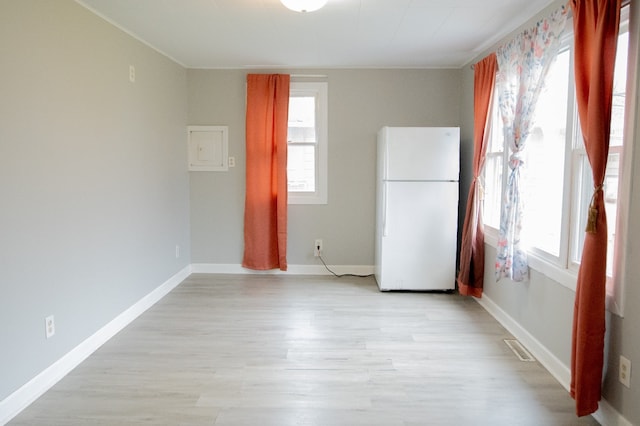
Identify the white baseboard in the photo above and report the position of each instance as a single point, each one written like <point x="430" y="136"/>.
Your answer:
<point x="606" y="414"/>
<point x="12" y="405"/>
<point x="218" y="268"/>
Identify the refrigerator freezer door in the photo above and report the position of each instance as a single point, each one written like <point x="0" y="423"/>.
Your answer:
<point x="421" y="153"/>
<point x="418" y="251"/>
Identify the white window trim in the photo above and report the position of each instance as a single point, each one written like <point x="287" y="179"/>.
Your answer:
<point x="615" y="296"/>
<point x="320" y="91"/>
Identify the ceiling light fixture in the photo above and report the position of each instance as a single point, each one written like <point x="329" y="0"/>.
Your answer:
<point x="304" y="5"/>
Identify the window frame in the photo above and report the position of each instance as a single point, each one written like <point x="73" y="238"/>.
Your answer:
<point x="490" y="230"/>
<point x="319" y="90"/>
<point x="571" y="124"/>
<point x="616" y="287"/>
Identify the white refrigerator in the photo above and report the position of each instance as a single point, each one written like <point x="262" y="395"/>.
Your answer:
<point x="417" y="208"/>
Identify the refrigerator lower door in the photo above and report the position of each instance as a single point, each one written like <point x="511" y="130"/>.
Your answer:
<point x="418" y="248"/>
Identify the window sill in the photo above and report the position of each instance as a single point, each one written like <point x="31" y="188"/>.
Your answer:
<point x="564" y="277"/>
<point x="306" y="199"/>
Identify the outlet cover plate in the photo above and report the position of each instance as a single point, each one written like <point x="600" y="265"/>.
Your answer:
<point x="49" y="326"/>
<point x="625" y="371"/>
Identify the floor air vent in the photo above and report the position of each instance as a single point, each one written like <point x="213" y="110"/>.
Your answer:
<point x="519" y="350"/>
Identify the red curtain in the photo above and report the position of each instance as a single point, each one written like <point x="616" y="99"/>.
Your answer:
<point x="596" y="25"/>
<point x="471" y="275"/>
<point x="265" y="212"/>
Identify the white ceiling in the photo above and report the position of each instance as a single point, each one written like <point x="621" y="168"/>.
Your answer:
<point x="344" y="34"/>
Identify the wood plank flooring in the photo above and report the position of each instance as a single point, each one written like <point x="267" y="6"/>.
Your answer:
<point x="278" y="350"/>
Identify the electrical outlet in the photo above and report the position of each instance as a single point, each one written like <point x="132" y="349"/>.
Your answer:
<point x="625" y="371"/>
<point x="132" y="73"/>
<point x="317" y="248"/>
<point x="49" y="326"/>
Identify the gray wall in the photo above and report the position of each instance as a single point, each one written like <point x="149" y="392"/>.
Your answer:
<point x="544" y="308"/>
<point x="360" y="102"/>
<point x="93" y="183"/>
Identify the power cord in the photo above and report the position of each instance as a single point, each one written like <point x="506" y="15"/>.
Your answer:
<point x="341" y="275"/>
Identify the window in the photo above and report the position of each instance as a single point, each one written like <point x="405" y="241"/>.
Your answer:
<point x="612" y="187"/>
<point x="545" y="163"/>
<point x="307" y="143"/>
<point x="556" y="176"/>
<point x="494" y="165"/>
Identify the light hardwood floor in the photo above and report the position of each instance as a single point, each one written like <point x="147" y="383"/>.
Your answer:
<point x="282" y="350"/>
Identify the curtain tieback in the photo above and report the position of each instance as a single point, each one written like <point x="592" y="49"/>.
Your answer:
<point x="516" y="160"/>
<point x="479" y="187"/>
<point x="593" y="211"/>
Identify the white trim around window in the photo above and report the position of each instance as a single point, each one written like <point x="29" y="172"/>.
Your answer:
<point x="318" y="90"/>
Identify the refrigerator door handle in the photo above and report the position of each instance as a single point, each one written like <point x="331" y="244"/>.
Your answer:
<point x="384" y="208"/>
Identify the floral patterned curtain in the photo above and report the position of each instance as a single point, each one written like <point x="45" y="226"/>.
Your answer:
<point x="522" y="66"/>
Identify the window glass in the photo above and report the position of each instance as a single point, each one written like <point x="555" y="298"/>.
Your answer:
<point x="301" y="155"/>
<point x="493" y="169"/>
<point x="543" y="172"/>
